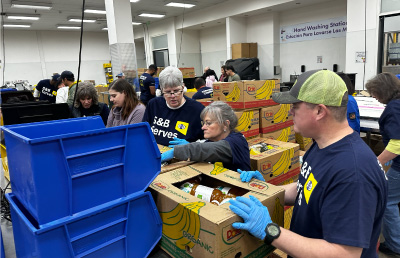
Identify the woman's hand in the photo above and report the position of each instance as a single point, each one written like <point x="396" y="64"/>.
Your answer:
<point x="177" y="141"/>
<point x="246" y="176"/>
<point x="167" y="156"/>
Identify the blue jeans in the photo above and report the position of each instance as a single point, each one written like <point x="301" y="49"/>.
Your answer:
<point x="391" y="218"/>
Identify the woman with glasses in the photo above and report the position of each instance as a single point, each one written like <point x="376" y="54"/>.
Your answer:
<point x="87" y="103"/>
<point x="223" y="143"/>
<point x="127" y="108"/>
<point x="173" y="115"/>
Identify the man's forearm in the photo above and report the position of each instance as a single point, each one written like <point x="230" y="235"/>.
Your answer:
<point x="299" y="246"/>
<point x="290" y="193"/>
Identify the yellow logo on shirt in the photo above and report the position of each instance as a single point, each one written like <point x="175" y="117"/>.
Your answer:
<point x="182" y="127"/>
<point x="54" y="93"/>
<point x="309" y="187"/>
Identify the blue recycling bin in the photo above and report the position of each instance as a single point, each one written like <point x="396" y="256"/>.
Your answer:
<point x="126" y="227"/>
<point x="63" y="167"/>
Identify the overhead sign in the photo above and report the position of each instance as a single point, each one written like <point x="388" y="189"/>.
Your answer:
<point x="332" y="28"/>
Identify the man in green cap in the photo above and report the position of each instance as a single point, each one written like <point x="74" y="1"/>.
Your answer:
<point x="340" y="197"/>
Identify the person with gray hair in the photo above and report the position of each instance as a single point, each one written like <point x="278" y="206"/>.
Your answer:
<point x="223" y="143"/>
<point x="87" y="103"/>
<point x="173" y="115"/>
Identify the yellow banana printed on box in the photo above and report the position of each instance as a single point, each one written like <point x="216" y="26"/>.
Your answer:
<point x="244" y="123"/>
<point x="283" y="164"/>
<point x="282" y="114"/>
<point x="284" y="136"/>
<point x="234" y="94"/>
<point x="181" y="221"/>
<point x="265" y="91"/>
<point x="277" y="215"/>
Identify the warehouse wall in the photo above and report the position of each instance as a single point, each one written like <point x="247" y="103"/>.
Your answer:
<point x="260" y="29"/>
<point x="188" y="53"/>
<point x="213" y="47"/>
<point x="333" y="50"/>
<point x="140" y="54"/>
<point x="36" y="55"/>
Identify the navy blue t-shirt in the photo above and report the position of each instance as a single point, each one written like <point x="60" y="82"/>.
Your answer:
<point x="166" y="123"/>
<point x="47" y="91"/>
<point x="341" y="195"/>
<point x="145" y="81"/>
<point x="353" y="114"/>
<point x="389" y="126"/>
<point x="203" y="93"/>
<point x="240" y="152"/>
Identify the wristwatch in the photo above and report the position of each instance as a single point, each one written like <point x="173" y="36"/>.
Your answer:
<point x="272" y="232"/>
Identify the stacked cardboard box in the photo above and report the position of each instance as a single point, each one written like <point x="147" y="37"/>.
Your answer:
<point x="278" y="165"/>
<point x="246" y="94"/>
<point x="304" y="142"/>
<point x="188" y="72"/>
<point x="193" y="227"/>
<point x="284" y="135"/>
<point x="244" y="50"/>
<point x="248" y="123"/>
<point x="273" y="118"/>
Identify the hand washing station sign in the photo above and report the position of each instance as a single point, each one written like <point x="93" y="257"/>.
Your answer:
<point x="332" y="28"/>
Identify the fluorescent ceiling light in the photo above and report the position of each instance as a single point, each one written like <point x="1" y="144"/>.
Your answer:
<point x="134" y="1"/>
<point x="31" y="6"/>
<point x="136" y="23"/>
<point x="17" y="25"/>
<point x="80" y="20"/>
<point x="174" y="4"/>
<point x="152" y="15"/>
<point x="104" y="29"/>
<point x="22" y="17"/>
<point x="95" y="11"/>
<point x="68" y="27"/>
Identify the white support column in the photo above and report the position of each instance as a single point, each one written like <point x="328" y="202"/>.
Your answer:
<point x="120" y="36"/>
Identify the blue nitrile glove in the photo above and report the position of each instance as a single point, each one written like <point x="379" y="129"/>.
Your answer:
<point x="255" y="215"/>
<point x="246" y="176"/>
<point x="167" y="156"/>
<point x="177" y="141"/>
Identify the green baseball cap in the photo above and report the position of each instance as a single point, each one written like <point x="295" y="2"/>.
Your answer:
<point x="316" y="87"/>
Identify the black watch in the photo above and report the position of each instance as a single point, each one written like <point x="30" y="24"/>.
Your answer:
<point x="272" y="232"/>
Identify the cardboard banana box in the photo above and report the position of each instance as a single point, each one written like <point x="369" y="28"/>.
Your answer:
<point x="304" y="142"/>
<point x="174" y="164"/>
<point x="248" y="122"/>
<point x="284" y="135"/>
<point x="246" y="94"/>
<point x="187" y="72"/>
<point x="274" y="118"/>
<point x="196" y="228"/>
<point x="277" y="164"/>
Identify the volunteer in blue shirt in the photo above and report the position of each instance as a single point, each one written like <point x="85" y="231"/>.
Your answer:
<point x="341" y="194"/>
<point x="173" y="115"/>
<point x="223" y="143"/>
<point x="385" y="87"/>
<point x="203" y="91"/>
<point x="47" y="89"/>
<point x="353" y="114"/>
<point x="147" y="84"/>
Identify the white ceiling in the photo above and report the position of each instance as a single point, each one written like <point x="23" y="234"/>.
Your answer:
<point x="62" y="9"/>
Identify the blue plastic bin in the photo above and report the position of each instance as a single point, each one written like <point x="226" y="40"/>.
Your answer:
<point x="127" y="227"/>
<point x="59" y="168"/>
<point x="2" y="255"/>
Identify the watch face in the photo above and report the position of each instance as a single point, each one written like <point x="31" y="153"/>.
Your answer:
<point x="273" y="230"/>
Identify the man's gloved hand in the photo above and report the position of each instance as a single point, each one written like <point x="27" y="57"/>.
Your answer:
<point x="167" y="156"/>
<point x="246" y="176"/>
<point x="177" y="141"/>
<point x="255" y="215"/>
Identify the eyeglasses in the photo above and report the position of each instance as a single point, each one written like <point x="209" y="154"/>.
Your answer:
<point x="175" y="93"/>
<point x="207" y="123"/>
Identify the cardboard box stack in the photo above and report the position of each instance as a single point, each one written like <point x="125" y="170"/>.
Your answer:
<point x="279" y="164"/>
<point x="246" y="94"/>
<point x="304" y="142"/>
<point x="248" y="123"/>
<point x="284" y="135"/>
<point x="188" y="72"/>
<point x="102" y="94"/>
<point x="194" y="227"/>
<point x="244" y="50"/>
